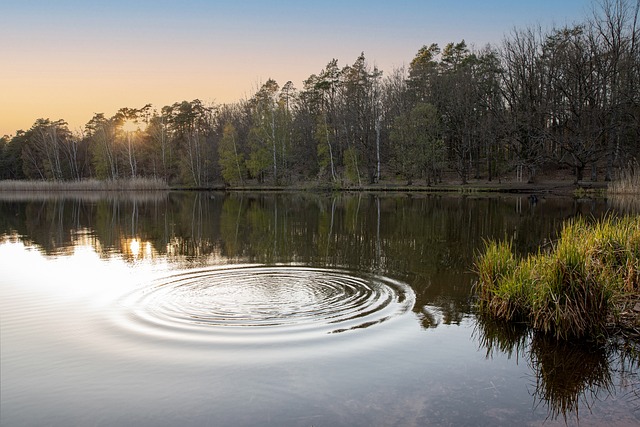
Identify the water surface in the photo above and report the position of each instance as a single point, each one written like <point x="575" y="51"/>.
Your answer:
<point x="282" y="309"/>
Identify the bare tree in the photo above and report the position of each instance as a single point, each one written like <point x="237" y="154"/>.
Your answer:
<point x="525" y="86"/>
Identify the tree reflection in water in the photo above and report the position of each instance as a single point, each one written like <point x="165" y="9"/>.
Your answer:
<point x="567" y="376"/>
<point x="426" y="241"/>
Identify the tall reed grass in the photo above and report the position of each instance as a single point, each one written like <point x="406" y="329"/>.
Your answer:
<point x="571" y="290"/>
<point x="628" y="182"/>
<point x="623" y="193"/>
<point x="128" y="184"/>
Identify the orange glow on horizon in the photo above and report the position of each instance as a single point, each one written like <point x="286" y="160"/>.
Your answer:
<point x="27" y="98"/>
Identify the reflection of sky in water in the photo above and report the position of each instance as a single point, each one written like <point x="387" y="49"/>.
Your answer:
<point x="79" y="273"/>
<point x="76" y="349"/>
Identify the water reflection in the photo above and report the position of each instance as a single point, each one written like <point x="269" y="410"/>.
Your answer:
<point x="357" y="260"/>
<point x="628" y="203"/>
<point x="428" y="241"/>
<point x="496" y="337"/>
<point x="257" y="304"/>
<point x="566" y="376"/>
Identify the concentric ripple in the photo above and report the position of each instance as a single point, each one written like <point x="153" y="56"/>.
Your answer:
<point x="238" y="303"/>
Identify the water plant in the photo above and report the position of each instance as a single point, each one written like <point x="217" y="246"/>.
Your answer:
<point x="571" y="290"/>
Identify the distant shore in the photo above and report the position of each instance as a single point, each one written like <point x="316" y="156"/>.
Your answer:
<point x="559" y="187"/>
<point x="555" y="186"/>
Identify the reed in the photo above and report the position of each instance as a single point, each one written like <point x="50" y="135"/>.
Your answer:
<point x="128" y="184"/>
<point x="82" y="195"/>
<point x="570" y="291"/>
<point x="623" y="192"/>
<point x="628" y="181"/>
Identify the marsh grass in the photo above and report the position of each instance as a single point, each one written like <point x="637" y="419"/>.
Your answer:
<point x="83" y="195"/>
<point x="628" y="182"/>
<point x="571" y="290"/>
<point x="496" y="264"/>
<point x="624" y="193"/>
<point x="129" y="184"/>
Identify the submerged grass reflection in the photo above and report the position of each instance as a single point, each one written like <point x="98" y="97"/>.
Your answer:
<point x="496" y="336"/>
<point x="567" y="376"/>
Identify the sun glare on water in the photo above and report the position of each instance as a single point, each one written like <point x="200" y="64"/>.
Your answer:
<point x="83" y="274"/>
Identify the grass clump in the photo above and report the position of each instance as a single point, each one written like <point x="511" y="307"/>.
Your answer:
<point x="504" y="282"/>
<point x="569" y="300"/>
<point x="497" y="263"/>
<point x="570" y="291"/>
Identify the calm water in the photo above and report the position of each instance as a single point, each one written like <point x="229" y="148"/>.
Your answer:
<point x="281" y="310"/>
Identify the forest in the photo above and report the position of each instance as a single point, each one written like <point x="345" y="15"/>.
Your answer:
<point x="560" y="100"/>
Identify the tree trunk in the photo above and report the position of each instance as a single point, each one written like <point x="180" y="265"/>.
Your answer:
<point x="235" y="152"/>
<point x="579" y="173"/>
<point x="333" y="170"/>
<point x="378" y="150"/>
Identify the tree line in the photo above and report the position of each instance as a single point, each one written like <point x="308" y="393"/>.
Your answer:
<point x="564" y="98"/>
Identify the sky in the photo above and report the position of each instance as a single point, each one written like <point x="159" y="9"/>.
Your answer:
<point x="70" y="59"/>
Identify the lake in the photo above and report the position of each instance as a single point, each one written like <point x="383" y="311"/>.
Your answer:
<point x="283" y="309"/>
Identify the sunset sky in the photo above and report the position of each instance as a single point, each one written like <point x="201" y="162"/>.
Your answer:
<point x="69" y="59"/>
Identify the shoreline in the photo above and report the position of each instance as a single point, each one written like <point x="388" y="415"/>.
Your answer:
<point x="554" y="187"/>
<point x="549" y="187"/>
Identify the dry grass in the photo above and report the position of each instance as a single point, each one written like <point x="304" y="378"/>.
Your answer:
<point x="83" y="195"/>
<point x="628" y="181"/>
<point x="624" y="192"/>
<point x="133" y="184"/>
